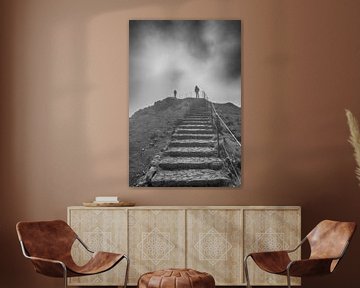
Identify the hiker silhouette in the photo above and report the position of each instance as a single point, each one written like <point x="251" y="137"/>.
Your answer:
<point x="197" y="91"/>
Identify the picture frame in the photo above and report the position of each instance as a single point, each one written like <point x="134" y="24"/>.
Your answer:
<point x="185" y="103"/>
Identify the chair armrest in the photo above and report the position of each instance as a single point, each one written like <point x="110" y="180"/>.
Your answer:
<point x="270" y="252"/>
<point x="48" y="267"/>
<point x="271" y="261"/>
<point x="45" y="260"/>
<point x="281" y="251"/>
<point x="309" y="267"/>
<point x="298" y="246"/>
<point x="83" y="244"/>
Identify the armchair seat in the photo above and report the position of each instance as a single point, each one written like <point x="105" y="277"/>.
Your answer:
<point x="273" y="262"/>
<point x="99" y="262"/>
<point x="48" y="245"/>
<point x="328" y="242"/>
<point x="277" y="262"/>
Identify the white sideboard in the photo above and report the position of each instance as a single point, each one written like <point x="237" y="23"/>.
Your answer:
<point x="212" y="239"/>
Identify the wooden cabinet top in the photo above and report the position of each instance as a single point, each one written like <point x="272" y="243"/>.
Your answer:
<point x="193" y="207"/>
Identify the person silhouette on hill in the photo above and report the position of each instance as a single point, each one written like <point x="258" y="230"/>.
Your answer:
<point x="175" y="92"/>
<point x="197" y="91"/>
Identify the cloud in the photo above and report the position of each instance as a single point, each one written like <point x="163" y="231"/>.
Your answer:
<point x="168" y="55"/>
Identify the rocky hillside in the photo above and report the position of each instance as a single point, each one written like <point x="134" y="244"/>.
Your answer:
<point x="151" y="130"/>
<point x="230" y="113"/>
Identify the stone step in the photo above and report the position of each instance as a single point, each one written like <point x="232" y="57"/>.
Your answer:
<point x="198" y="115"/>
<point x="173" y="163"/>
<point x="194" y="131"/>
<point x="188" y="117"/>
<point x="199" y="109"/>
<point x="196" y="122"/>
<point x="193" y="117"/>
<point x="195" y="126"/>
<point x="190" y="151"/>
<point x="192" y="143"/>
<point x="203" y="118"/>
<point x="190" y="178"/>
<point x="193" y="136"/>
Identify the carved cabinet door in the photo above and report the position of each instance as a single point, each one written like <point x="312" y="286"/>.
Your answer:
<point x="156" y="240"/>
<point x="101" y="230"/>
<point x="271" y="230"/>
<point x="214" y="244"/>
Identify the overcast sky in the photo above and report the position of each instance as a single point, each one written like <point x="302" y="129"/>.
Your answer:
<point x="168" y="55"/>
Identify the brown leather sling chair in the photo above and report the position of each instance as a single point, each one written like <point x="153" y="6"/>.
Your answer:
<point x="328" y="242"/>
<point x="48" y="245"/>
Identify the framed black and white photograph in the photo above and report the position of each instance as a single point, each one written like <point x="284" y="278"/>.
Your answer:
<point x="185" y="103"/>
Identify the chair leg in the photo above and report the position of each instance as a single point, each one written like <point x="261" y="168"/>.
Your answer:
<point x="288" y="278"/>
<point x="127" y="271"/>
<point x="65" y="276"/>
<point x="246" y="270"/>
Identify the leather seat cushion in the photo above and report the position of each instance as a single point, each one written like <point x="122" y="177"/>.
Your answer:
<point x="176" y="278"/>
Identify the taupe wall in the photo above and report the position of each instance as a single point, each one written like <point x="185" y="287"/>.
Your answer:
<point x="64" y="116"/>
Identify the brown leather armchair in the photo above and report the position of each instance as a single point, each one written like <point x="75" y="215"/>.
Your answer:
<point x="328" y="242"/>
<point x="48" y="245"/>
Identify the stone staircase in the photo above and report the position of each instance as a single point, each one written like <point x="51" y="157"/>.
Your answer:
<point x="191" y="156"/>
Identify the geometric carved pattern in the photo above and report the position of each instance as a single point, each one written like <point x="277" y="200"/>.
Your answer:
<point x="269" y="241"/>
<point x="213" y="246"/>
<point x="98" y="240"/>
<point x="156" y="246"/>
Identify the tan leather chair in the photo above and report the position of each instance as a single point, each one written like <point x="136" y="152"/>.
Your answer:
<point x="328" y="242"/>
<point x="48" y="245"/>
